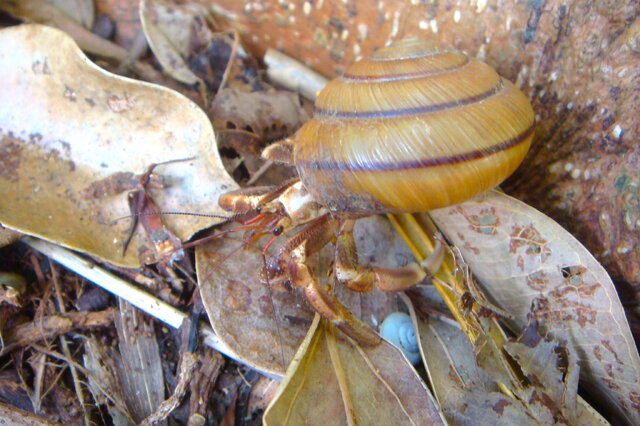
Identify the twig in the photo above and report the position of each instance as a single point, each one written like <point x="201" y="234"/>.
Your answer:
<point x="138" y="298"/>
<point x="293" y="75"/>
<point x="61" y="357"/>
<point x="232" y="57"/>
<point x="258" y="173"/>
<point x="186" y="368"/>
<point x="12" y="415"/>
<point x="52" y="326"/>
<point x="65" y="346"/>
<point x="188" y="363"/>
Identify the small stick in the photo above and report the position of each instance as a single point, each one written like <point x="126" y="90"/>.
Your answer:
<point x="65" y="346"/>
<point x="293" y="75"/>
<point x="137" y="297"/>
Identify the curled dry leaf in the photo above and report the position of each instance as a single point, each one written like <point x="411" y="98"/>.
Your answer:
<point x="264" y="325"/>
<point x="101" y="363"/>
<point x="246" y="122"/>
<point x="268" y="115"/>
<point x="52" y="12"/>
<point x="65" y="124"/>
<point x="332" y="377"/>
<point x="81" y="11"/>
<point x="533" y="268"/>
<point x="169" y="28"/>
<point x="469" y="394"/>
<point x="7" y="236"/>
<point x="185" y="40"/>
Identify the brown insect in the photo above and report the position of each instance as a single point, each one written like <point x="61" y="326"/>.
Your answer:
<point x="414" y="127"/>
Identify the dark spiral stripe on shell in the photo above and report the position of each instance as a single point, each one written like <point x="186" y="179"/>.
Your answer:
<point x="348" y="78"/>
<point x="425" y="162"/>
<point x="392" y="113"/>
<point x="427" y="53"/>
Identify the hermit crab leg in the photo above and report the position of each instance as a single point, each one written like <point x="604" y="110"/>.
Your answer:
<point x="295" y="253"/>
<point x="363" y="278"/>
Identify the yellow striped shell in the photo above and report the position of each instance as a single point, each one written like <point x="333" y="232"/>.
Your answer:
<point x="416" y="126"/>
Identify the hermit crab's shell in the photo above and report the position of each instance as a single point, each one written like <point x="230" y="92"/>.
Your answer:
<point x="416" y="126"/>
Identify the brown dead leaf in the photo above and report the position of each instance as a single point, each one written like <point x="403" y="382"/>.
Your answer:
<point x="263" y="325"/>
<point x="532" y="267"/>
<point x="65" y="123"/>
<point x="140" y="369"/>
<point x="260" y="324"/>
<point x="100" y="362"/>
<point x="7" y="236"/>
<point x="332" y="377"/>
<point x="269" y="115"/>
<point x="247" y="121"/>
<point x="469" y="394"/>
<point x="169" y="28"/>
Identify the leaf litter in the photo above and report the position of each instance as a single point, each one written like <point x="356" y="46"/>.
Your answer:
<point x="333" y="377"/>
<point x="66" y="124"/>
<point x="525" y="244"/>
<point x="266" y="325"/>
<point x="535" y="269"/>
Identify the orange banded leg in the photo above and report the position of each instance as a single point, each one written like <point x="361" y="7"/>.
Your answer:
<point x="363" y="278"/>
<point x="320" y="297"/>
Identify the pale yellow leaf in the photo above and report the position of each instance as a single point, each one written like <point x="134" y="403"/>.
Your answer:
<point x="333" y="379"/>
<point x="532" y="267"/>
<point x="66" y="123"/>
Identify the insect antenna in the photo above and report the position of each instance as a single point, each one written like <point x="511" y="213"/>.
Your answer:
<point x="138" y="214"/>
<point x="258" y="223"/>
<point x="273" y="309"/>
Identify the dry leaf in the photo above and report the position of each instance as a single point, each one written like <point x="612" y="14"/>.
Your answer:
<point x="469" y="394"/>
<point x="269" y="115"/>
<point x="140" y="368"/>
<point x="102" y="382"/>
<point x="262" y="325"/>
<point x="81" y="11"/>
<point x="333" y="379"/>
<point x="532" y="267"/>
<point x="168" y="28"/>
<point x="65" y="124"/>
<point x="7" y="236"/>
<point x="245" y="122"/>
